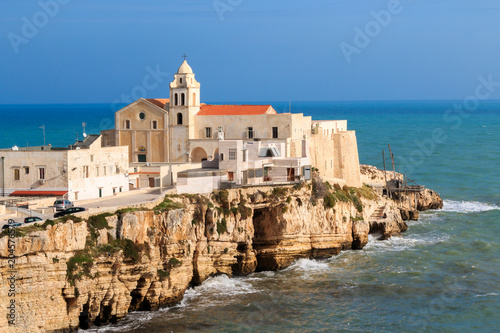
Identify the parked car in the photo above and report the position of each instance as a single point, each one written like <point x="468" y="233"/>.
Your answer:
<point x="32" y="219"/>
<point x="62" y="204"/>
<point x="12" y="225"/>
<point x="68" y="211"/>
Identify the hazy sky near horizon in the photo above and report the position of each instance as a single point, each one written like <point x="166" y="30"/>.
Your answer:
<point x="247" y="50"/>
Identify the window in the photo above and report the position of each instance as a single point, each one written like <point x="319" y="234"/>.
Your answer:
<point x="208" y="132"/>
<point x="176" y="99"/>
<point x="142" y="116"/>
<point x="27" y="170"/>
<point x="91" y="158"/>
<point x="179" y="118"/>
<point x="244" y="155"/>
<point x="41" y="173"/>
<point x="232" y="154"/>
<point x="180" y="80"/>
<point x="17" y="174"/>
<point x="127" y="124"/>
<point x="85" y="171"/>
<point x="194" y="98"/>
<point x="76" y="195"/>
<point x="141" y="158"/>
<point x="222" y="157"/>
<point x="250" y="132"/>
<point x="104" y="170"/>
<point x="114" y="190"/>
<point x="154" y="124"/>
<point x="275" y="132"/>
<point x="183" y="99"/>
<point x="97" y="171"/>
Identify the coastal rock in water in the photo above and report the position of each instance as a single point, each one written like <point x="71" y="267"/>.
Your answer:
<point x="429" y="199"/>
<point x="360" y="231"/>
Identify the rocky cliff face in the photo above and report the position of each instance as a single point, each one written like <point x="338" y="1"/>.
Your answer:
<point x="77" y="274"/>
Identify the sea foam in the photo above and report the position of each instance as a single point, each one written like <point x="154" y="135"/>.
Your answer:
<point x="467" y="206"/>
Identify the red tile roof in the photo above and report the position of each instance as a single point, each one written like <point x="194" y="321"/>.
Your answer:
<point x="160" y="102"/>
<point x="234" y="110"/>
<point x="38" y="193"/>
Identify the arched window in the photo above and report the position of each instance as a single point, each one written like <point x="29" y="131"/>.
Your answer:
<point x="183" y="99"/>
<point x="154" y="124"/>
<point x="179" y="118"/>
<point x="194" y="98"/>
<point x="176" y="99"/>
<point x="180" y="80"/>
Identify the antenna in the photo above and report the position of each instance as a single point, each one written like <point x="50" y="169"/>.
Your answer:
<point x="84" y="134"/>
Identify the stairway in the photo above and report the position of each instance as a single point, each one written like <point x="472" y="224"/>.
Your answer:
<point x="378" y="213"/>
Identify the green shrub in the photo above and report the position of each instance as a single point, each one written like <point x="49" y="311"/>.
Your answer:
<point x="226" y="250"/>
<point x="55" y="260"/>
<point x="47" y="223"/>
<point x="289" y="199"/>
<point x="166" y="205"/>
<point x="279" y="192"/>
<point x="163" y="274"/>
<point x="99" y="221"/>
<point x="298" y="186"/>
<point x="329" y="201"/>
<point x="244" y="211"/>
<point x="222" y="226"/>
<point x="73" y="218"/>
<point x="174" y="262"/>
<point x="80" y="261"/>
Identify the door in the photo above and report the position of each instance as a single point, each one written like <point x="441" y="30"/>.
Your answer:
<point x="290" y="172"/>
<point x="151" y="182"/>
<point x="230" y="176"/>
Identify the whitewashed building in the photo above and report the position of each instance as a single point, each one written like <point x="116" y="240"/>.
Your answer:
<point x="84" y="170"/>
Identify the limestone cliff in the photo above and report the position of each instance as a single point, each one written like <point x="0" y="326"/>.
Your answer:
<point x="81" y="273"/>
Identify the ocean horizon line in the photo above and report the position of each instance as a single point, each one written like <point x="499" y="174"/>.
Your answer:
<point x="262" y="102"/>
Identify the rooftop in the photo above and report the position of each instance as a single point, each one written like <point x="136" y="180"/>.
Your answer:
<point x="160" y="102"/>
<point x="235" y="110"/>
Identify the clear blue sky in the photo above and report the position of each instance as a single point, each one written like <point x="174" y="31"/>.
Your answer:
<point x="90" y="51"/>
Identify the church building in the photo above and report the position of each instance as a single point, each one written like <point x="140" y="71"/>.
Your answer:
<point x="181" y="129"/>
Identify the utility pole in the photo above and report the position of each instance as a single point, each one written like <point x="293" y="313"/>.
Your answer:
<point x="385" y="171"/>
<point x="392" y="159"/>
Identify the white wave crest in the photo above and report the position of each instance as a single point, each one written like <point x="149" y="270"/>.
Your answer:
<point x="309" y="265"/>
<point x="467" y="206"/>
<point x="222" y="285"/>
<point x="397" y="243"/>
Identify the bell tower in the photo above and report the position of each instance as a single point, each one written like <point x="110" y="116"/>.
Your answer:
<point x="184" y="105"/>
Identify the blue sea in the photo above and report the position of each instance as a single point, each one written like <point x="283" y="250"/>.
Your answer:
<point x="442" y="275"/>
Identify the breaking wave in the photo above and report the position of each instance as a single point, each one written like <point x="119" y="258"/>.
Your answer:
<point x="467" y="206"/>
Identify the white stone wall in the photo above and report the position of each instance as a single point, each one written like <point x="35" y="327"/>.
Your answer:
<point x="54" y="163"/>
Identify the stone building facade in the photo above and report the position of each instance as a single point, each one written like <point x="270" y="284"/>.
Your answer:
<point x="85" y="170"/>
<point x="181" y="129"/>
